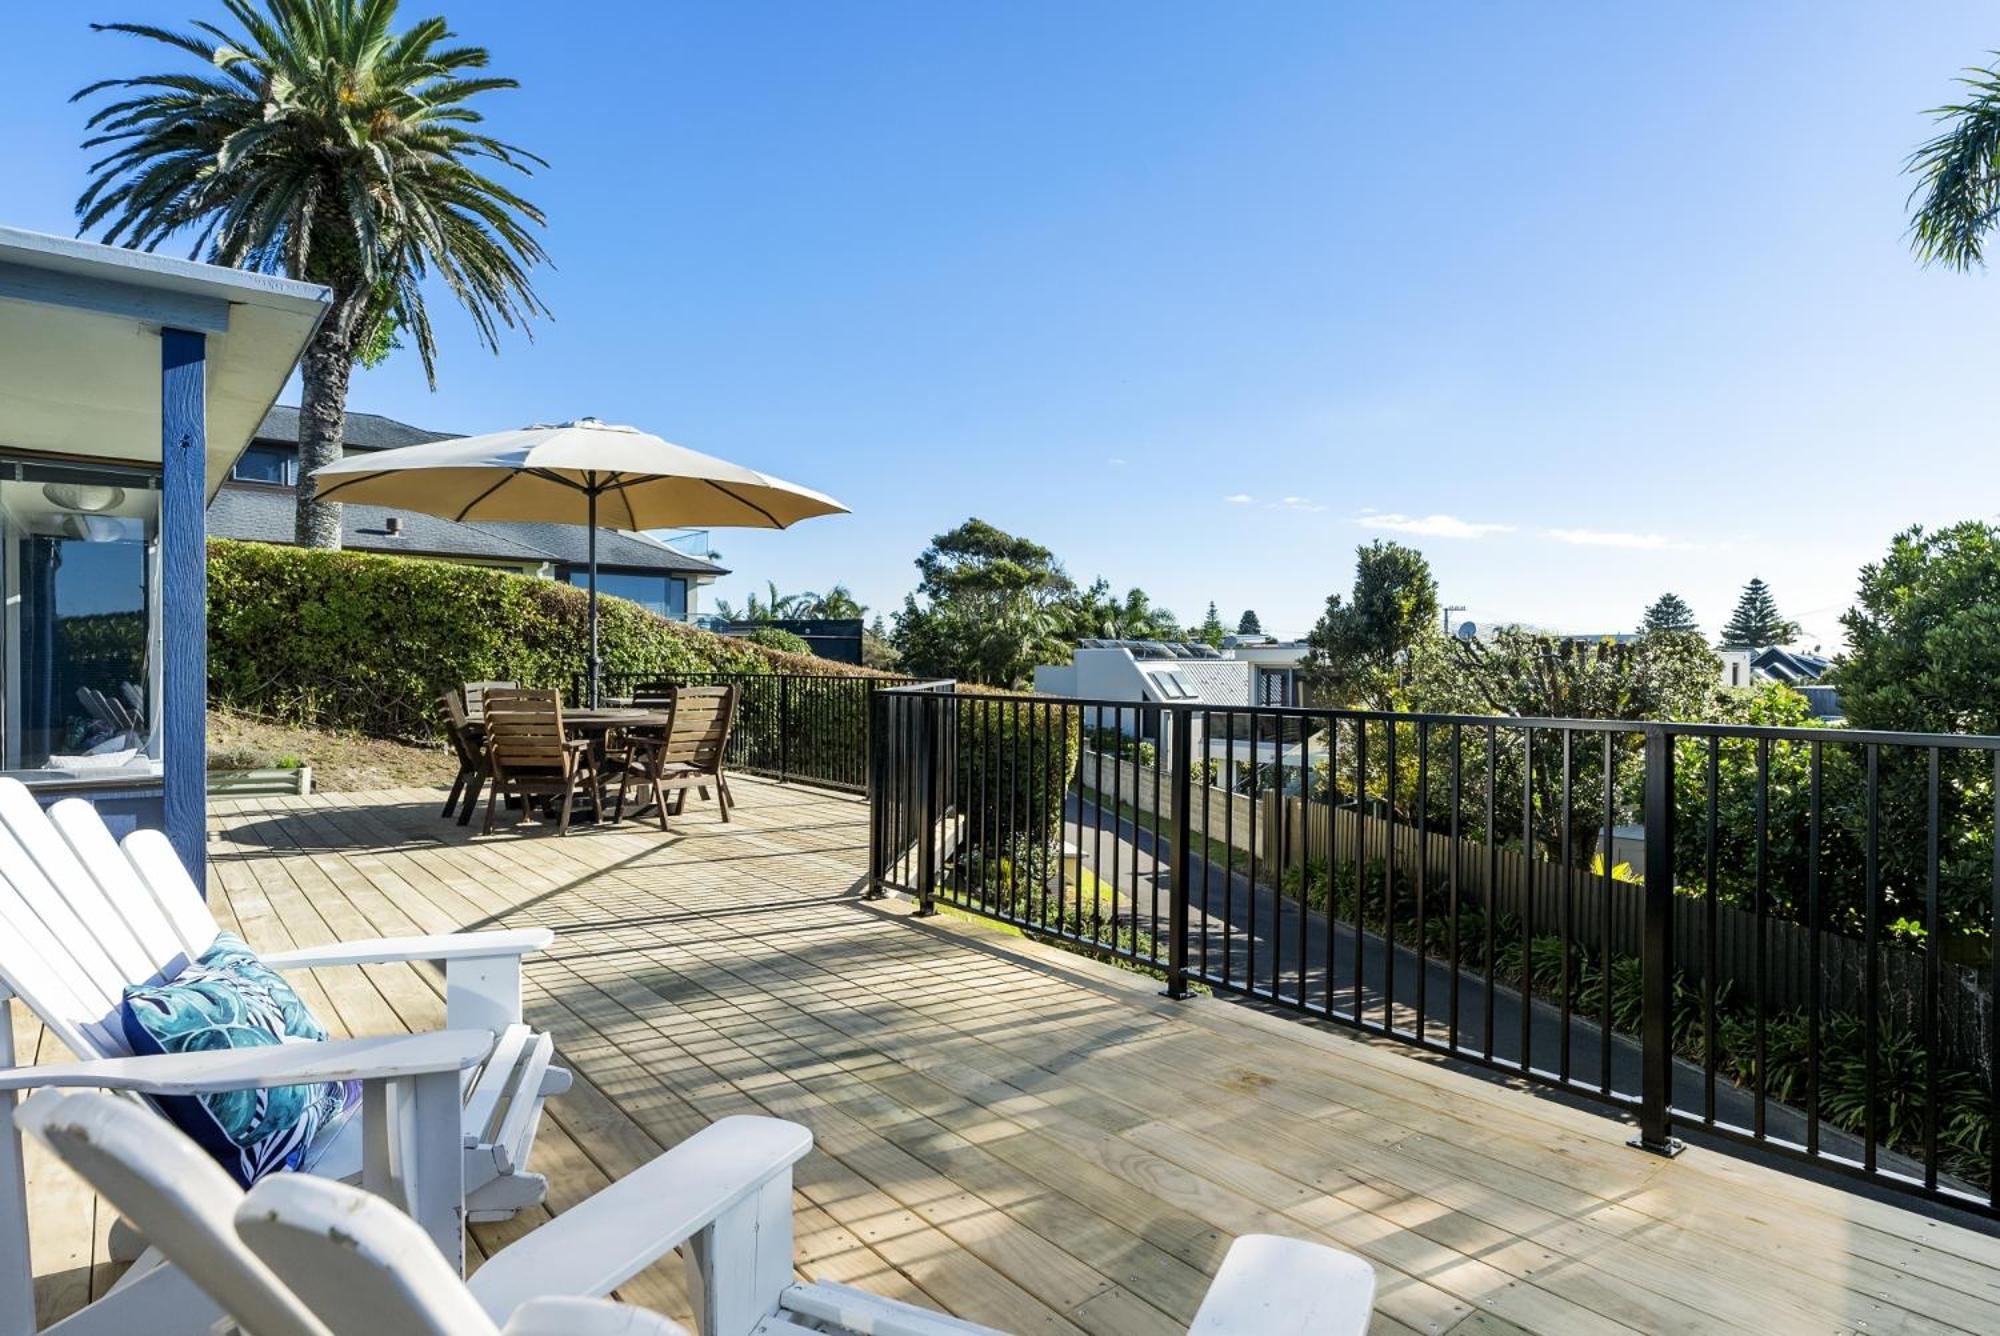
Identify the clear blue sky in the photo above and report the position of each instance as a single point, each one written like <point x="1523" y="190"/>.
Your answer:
<point x="1599" y="300"/>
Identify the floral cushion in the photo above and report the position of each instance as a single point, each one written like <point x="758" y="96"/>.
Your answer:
<point x="227" y="998"/>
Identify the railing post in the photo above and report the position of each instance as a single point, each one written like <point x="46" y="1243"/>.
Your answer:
<point x="878" y="789"/>
<point x="1179" y="883"/>
<point x="1656" y="954"/>
<point x="927" y="748"/>
<point x="784" y="726"/>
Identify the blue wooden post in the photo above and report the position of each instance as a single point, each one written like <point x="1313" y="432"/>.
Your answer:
<point x="183" y="703"/>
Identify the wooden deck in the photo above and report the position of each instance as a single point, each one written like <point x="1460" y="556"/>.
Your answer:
<point x="1018" y="1136"/>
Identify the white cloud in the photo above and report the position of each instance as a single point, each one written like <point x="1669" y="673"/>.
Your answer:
<point x="1648" y="542"/>
<point x="1240" y="499"/>
<point x="1429" y="526"/>
<point x="1117" y="463"/>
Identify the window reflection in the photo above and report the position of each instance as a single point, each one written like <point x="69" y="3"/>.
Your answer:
<point x="79" y="561"/>
<point x="662" y="594"/>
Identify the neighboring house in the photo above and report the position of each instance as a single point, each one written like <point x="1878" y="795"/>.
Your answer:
<point x="1276" y="666"/>
<point x="259" y="499"/>
<point x="835" y="639"/>
<point x="1145" y="672"/>
<point x="129" y="385"/>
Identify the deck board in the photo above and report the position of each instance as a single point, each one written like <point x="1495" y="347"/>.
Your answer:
<point x="1017" y="1135"/>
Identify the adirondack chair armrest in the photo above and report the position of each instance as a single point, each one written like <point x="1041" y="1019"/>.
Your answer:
<point x="443" y="947"/>
<point x="482" y="970"/>
<point x="726" y="1190"/>
<point x="1272" y="1283"/>
<point x="388" y="1058"/>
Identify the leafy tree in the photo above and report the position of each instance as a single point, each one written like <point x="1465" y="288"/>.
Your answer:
<point x="1248" y="625"/>
<point x="1756" y="621"/>
<point x="1211" y="627"/>
<point x="1361" y="646"/>
<point x="1524" y="675"/>
<point x="1957" y="195"/>
<point x="318" y="142"/>
<point x="992" y="607"/>
<point x="1924" y="635"/>
<point x="1669" y="612"/>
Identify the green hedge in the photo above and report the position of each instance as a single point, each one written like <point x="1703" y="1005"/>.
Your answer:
<point x="364" y="643"/>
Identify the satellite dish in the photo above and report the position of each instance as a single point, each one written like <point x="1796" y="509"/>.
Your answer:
<point x="1468" y="630"/>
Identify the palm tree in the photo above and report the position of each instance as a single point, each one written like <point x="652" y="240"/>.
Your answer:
<point x="1957" y="197"/>
<point x="320" y="143"/>
<point x="837" y="603"/>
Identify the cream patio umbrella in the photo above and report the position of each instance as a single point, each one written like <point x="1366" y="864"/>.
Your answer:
<point x="583" y="472"/>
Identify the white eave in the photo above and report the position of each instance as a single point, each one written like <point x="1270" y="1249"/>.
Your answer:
<point x="80" y="353"/>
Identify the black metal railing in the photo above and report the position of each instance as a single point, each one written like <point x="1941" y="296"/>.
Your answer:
<point x="1783" y="936"/>
<point x="795" y="727"/>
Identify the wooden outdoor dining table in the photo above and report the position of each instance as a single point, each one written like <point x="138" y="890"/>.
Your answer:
<point x="597" y="725"/>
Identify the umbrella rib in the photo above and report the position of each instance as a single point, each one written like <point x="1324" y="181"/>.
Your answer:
<point x="505" y="478"/>
<point x="744" y="501"/>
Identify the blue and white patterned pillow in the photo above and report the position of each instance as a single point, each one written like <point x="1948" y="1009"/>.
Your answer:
<point x="226" y="999"/>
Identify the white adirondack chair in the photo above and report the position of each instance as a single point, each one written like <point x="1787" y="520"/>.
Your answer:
<point x="172" y="1189"/>
<point x="361" y="1268"/>
<point x="409" y="1118"/>
<point x="82" y="916"/>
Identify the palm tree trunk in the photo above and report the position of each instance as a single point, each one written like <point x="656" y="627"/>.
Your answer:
<point x="324" y="371"/>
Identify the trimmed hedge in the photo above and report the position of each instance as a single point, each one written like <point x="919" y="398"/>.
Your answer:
<point x="364" y="643"/>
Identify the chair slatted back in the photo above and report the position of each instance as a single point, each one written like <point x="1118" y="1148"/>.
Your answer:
<point x="356" y="1260"/>
<point x="475" y="697"/>
<point x="82" y="917"/>
<point x="657" y="695"/>
<point x="699" y="734"/>
<point x="175" y="1194"/>
<point x="524" y="730"/>
<point x="458" y="730"/>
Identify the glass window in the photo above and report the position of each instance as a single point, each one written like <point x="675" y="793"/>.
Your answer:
<point x="268" y="463"/>
<point x="662" y="594"/>
<point x="1173" y="686"/>
<point x="79" y="557"/>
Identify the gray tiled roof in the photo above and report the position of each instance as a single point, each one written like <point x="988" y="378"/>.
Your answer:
<point x="265" y="514"/>
<point x="364" y="431"/>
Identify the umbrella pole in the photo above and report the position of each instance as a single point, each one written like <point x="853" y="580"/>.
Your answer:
<point x="592" y="494"/>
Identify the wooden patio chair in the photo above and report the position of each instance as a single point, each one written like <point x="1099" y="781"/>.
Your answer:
<point x="529" y="755"/>
<point x="688" y="754"/>
<point x="297" y="1250"/>
<point x="468" y="747"/>
<point x="475" y="697"/>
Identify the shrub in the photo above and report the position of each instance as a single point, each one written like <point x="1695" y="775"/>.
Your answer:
<point x="362" y="643"/>
<point x="777" y="638"/>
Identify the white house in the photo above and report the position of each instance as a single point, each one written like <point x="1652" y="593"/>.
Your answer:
<point x="1144" y="672"/>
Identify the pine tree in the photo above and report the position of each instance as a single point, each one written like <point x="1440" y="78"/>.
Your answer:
<point x="1248" y="625"/>
<point x="1211" y="626"/>
<point x="1756" y="622"/>
<point x="1669" y="612"/>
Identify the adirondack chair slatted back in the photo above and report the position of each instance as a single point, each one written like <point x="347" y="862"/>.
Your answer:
<point x="350" y="1253"/>
<point x="82" y="917"/>
<point x="174" y="1193"/>
<point x="475" y="698"/>
<point x="699" y="734"/>
<point x="524" y="731"/>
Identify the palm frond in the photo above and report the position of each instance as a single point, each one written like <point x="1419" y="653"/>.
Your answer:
<point x="320" y="141"/>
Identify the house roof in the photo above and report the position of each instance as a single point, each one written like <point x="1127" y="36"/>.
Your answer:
<point x="364" y="431"/>
<point x="74" y="379"/>
<point x="265" y="514"/>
